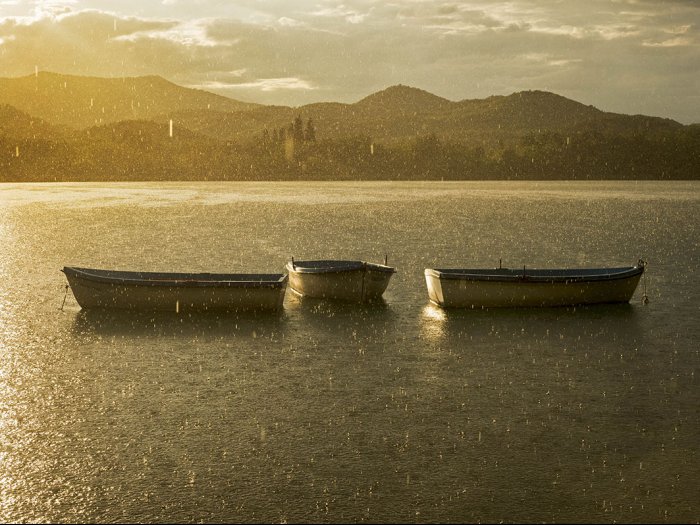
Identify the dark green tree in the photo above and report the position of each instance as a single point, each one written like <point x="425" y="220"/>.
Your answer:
<point x="310" y="134"/>
<point x="298" y="130"/>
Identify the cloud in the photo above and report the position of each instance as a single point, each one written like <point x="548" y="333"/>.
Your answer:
<point x="189" y="33"/>
<point x="550" y="60"/>
<point x="289" y="22"/>
<point x="671" y="42"/>
<point x="351" y="16"/>
<point x="683" y="35"/>
<point x="53" y="7"/>
<point x="627" y="56"/>
<point x="263" y="84"/>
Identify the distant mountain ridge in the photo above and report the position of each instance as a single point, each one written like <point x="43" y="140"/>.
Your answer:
<point x="395" y="112"/>
<point x="80" y="102"/>
<point x="401" y="112"/>
<point x="64" y="127"/>
<point x="20" y="125"/>
<point x="403" y="99"/>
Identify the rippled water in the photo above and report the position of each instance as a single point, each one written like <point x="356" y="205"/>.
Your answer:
<point x="398" y="412"/>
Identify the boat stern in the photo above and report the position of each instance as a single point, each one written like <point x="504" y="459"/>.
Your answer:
<point x="432" y="281"/>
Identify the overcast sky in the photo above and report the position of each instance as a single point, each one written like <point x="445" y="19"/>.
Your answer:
<point x="626" y="56"/>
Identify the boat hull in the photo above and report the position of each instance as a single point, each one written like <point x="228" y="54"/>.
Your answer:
<point x="467" y="290"/>
<point x="176" y="292"/>
<point x="351" y="281"/>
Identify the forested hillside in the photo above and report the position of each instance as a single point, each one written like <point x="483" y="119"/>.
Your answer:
<point x="150" y="129"/>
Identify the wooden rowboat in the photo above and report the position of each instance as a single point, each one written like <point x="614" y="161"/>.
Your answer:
<point x="354" y="281"/>
<point x="505" y="287"/>
<point x="175" y="292"/>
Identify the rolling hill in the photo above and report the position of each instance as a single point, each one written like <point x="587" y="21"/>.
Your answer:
<point x="62" y="127"/>
<point x="392" y="114"/>
<point x="19" y="125"/>
<point x="399" y="113"/>
<point x="80" y="102"/>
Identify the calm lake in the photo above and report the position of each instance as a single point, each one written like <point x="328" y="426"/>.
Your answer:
<point x="399" y="412"/>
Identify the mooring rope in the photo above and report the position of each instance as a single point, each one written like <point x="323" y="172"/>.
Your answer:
<point x="64" y="299"/>
<point x="645" y="297"/>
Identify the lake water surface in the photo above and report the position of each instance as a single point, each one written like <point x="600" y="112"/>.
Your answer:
<point x="396" y="412"/>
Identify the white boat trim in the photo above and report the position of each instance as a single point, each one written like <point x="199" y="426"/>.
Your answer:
<point x="506" y="287"/>
<point x="95" y="288"/>
<point x="345" y="280"/>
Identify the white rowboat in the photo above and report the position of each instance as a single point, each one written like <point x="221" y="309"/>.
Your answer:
<point x="505" y="287"/>
<point x="175" y="292"/>
<point x="354" y="281"/>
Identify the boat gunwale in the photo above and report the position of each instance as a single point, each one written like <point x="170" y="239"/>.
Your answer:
<point x="534" y="275"/>
<point x="335" y="266"/>
<point x="179" y="280"/>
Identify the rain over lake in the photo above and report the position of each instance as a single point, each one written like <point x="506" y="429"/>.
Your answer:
<point x="396" y="412"/>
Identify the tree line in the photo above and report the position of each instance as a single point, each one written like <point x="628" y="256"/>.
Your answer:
<point x="298" y="152"/>
<point x="295" y="130"/>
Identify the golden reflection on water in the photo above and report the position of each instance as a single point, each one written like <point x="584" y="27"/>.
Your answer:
<point x="5" y="240"/>
<point x="7" y="332"/>
<point x="10" y="418"/>
<point x="433" y="322"/>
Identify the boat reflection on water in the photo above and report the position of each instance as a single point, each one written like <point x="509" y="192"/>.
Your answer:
<point x="337" y="321"/>
<point x="442" y="325"/>
<point x="209" y="325"/>
<point x="307" y="304"/>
